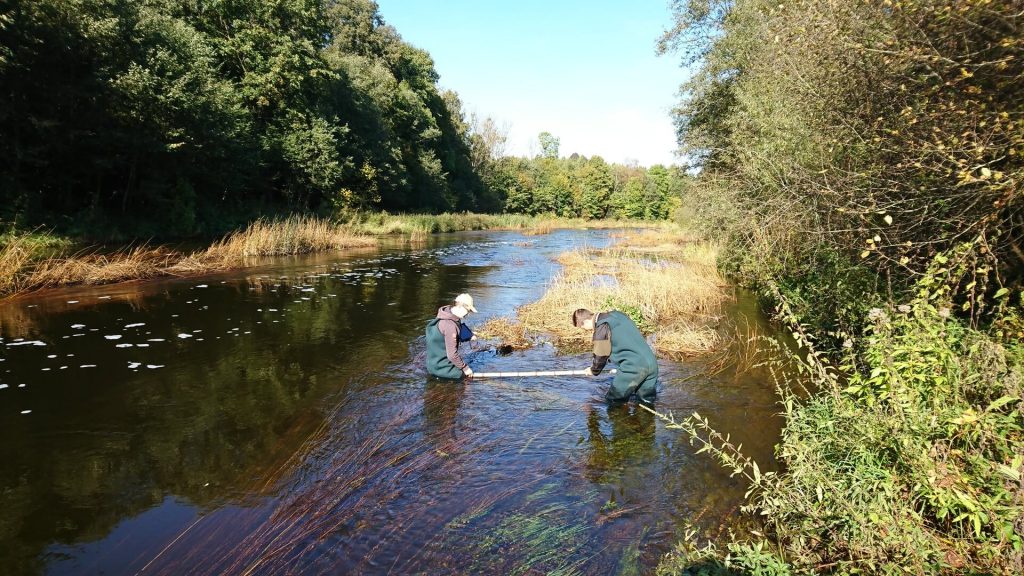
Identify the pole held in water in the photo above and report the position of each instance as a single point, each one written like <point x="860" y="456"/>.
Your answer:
<point x="583" y="372"/>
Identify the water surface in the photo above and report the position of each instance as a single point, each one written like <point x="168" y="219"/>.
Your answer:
<point x="279" y="420"/>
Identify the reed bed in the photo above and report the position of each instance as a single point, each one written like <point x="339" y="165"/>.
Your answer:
<point x="24" y="269"/>
<point x="294" y="235"/>
<point x="382" y="223"/>
<point x="676" y="299"/>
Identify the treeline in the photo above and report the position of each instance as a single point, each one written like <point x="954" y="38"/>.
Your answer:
<point x="580" y="187"/>
<point x="162" y="118"/>
<point x="177" y="117"/>
<point x="862" y="161"/>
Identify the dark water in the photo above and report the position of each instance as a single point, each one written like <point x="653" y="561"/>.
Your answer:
<point x="279" y="420"/>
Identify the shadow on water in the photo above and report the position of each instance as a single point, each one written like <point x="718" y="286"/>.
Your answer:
<point x="279" y="420"/>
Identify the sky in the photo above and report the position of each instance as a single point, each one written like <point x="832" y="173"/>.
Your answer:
<point x="585" y="71"/>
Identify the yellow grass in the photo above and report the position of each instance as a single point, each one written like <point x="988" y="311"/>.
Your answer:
<point x="678" y="298"/>
<point x="21" y="272"/>
<point x="508" y="331"/>
<point x="295" y="235"/>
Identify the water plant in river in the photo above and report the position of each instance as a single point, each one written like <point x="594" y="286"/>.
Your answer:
<point x="677" y="299"/>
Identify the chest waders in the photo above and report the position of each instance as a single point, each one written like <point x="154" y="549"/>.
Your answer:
<point x="638" y="368"/>
<point x="438" y="363"/>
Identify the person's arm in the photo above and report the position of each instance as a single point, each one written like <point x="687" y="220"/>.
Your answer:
<point x="602" y="348"/>
<point x="451" y="342"/>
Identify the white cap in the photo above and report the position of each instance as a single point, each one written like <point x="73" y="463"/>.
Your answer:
<point x="466" y="301"/>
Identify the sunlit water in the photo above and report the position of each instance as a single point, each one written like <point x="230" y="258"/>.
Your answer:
<point x="279" y="420"/>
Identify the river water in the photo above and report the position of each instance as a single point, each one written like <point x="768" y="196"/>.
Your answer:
<point x="279" y="419"/>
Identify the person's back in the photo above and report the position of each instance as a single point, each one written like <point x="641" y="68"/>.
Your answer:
<point x="617" y="338"/>
<point x="630" y="350"/>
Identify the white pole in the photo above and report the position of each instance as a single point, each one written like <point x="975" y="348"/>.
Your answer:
<point x="583" y="372"/>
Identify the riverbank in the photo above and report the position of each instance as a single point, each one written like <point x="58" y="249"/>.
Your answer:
<point x="909" y="455"/>
<point x="39" y="260"/>
<point x="666" y="281"/>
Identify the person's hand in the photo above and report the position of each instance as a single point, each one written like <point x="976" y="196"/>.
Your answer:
<point x="468" y="372"/>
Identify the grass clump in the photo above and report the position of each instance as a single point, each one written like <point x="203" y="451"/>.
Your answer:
<point x="508" y="331"/>
<point x="293" y="235"/>
<point x="675" y="298"/>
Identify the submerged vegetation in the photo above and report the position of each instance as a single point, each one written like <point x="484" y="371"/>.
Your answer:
<point x="861" y="166"/>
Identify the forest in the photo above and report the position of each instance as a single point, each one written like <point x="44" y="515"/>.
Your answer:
<point x="167" y="118"/>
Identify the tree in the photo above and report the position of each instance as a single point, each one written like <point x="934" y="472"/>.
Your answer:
<point x="548" y="145"/>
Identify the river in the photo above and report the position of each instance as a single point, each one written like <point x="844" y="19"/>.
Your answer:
<point x="279" y="419"/>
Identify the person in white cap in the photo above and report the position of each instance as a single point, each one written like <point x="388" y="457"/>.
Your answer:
<point x="444" y="334"/>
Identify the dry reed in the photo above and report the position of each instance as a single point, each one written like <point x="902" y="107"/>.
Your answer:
<point x="677" y="299"/>
<point x="507" y="331"/>
<point x="22" y="271"/>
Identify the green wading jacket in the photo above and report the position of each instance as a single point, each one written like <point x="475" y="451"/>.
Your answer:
<point x="629" y="350"/>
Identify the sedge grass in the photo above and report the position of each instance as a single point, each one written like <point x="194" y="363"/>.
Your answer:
<point x="677" y="299"/>
<point x="24" y="266"/>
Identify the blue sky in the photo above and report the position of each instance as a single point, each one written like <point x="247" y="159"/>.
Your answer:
<point x="583" y="70"/>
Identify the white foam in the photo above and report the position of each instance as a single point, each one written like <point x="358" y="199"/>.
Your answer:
<point x="154" y="366"/>
<point x="136" y="325"/>
<point x="126" y="345"/>
<point x="204" y="285"/>
<point x="2" y="386"/>
<point x="78" y="326"/>
<point x="113" y="336"/>
<point x="134" y="364"/>
<point x="142" y="345"/>
<point x="87" y="366"/>
<point x="51" y="356"/>
<point x="26" y="411"/>
<point x="156" y="340"/>
<point x="72" y="301"/>
<point x="104" y="297"/>
<point x="184" y="335"/>
<point x="27" y="343"/>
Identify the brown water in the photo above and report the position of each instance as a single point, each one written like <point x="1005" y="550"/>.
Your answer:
<point x="279" y="420"/>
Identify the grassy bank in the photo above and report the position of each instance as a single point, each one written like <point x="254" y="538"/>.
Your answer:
<point x="664" y="280"/>
<point x="33" y="261"/>
<point x="382" y="223"/>
<point x="908" y="459"/>
<point x="28" y="263"/>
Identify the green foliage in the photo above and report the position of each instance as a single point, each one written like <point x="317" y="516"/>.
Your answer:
<point x="911" y="454"/>
<point x="635" y="313"/>
<point x="163" y="118"/>
<point x="579" y="187"/>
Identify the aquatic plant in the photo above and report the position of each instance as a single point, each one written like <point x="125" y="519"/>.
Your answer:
<point x="677" y="299"/>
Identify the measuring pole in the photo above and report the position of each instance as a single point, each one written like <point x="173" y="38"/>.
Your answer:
<point x="583" y="372"/>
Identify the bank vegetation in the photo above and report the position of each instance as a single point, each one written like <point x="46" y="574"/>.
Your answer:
<point x="861" y="167"/>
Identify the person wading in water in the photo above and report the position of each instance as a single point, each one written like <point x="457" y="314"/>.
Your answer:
<point x="617" y="338"/>
<point x="444" y="334"/>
